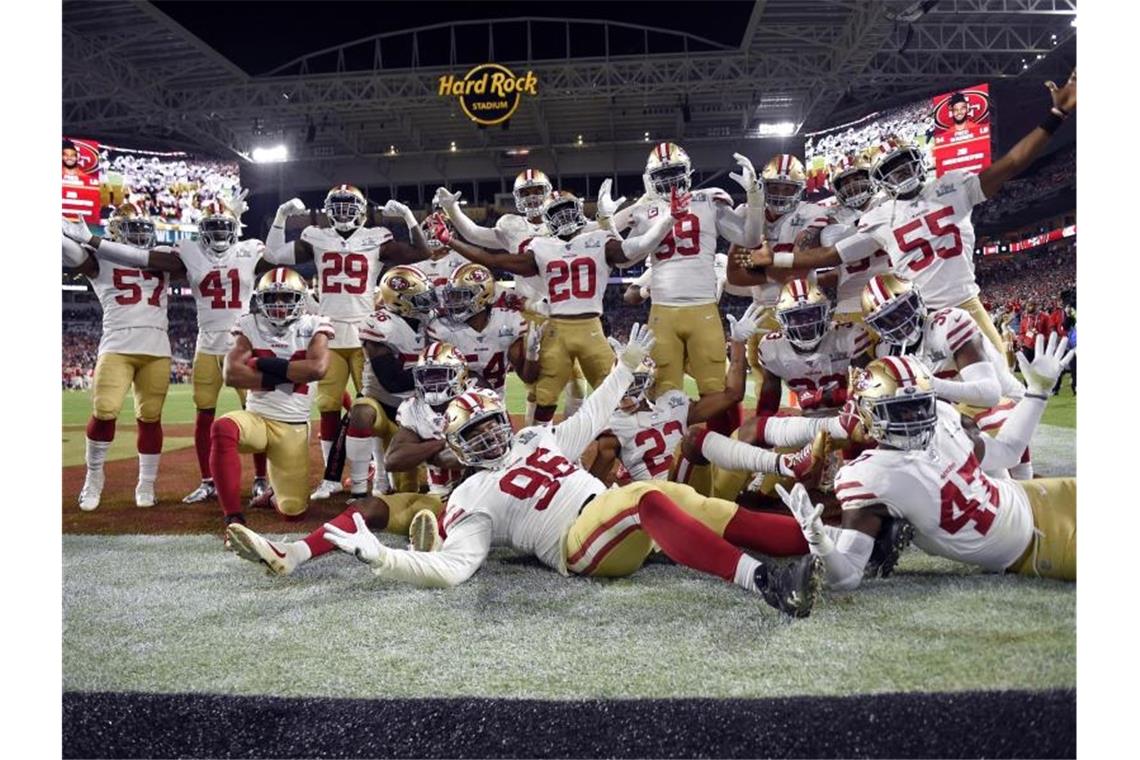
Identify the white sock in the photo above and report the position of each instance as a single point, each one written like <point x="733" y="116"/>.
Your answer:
<point x="300" y="551"/>
<point x="575" y="392"/>
<point x="148" y="467"/>
<point x="746" y="572"/>
<point x="358" y="451"/>
<point x="326" y="447"/>
<point x="96" y="454"/>
<point x="734" y="455"/>
<point x="528" y="418"/>
<point x="1022" y="471"/>
<point x="382" y="478"/>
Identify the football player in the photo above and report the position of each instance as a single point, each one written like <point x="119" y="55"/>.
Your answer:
<point x="640" y="289"/>
<point x="443" y="261"/>
<point x="526" y="491"/>
<point x="926" y="226"/>
<point x="348" y="257"/>
<point x="928" y="469"/>
<point x="134" y="349"/>
<point x="488" y="330"/>
<point x="575" y="266"/>
<point x="511" y="232"/>
<point x="966" y="369"/>
<point x="279" y="354"/>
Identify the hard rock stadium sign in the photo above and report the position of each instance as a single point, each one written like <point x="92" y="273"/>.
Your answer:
<point x="489" y="93"/>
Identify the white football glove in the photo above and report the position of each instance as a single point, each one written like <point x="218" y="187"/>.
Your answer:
<point x="534" y="341"/>
<point x="807" y="515"/>
<point x="236" y="204"/>
<point x="76" y="229"/>
<point x="363" y="543"/>
<point x="607" y="206"/>
<point x="740" y="330"/>
<point x="747" y="178"/>
<point x="289" y="208"/>
<point x="1048" y="363"/>
<point x="539" y="306"/>
<point x="641" y="341"/>
<point x="394" y="208"/>
<point x="446" y="198"/>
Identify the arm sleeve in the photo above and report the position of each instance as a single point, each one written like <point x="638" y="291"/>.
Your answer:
<point x="576" y="432"/>
<point x="276" y="237"/>
<point x="833" y="233"/>
<point x="623" y="217"/>
<point x="284" y="254"/>
<point x="484" y="237"/>
<point x="644" y="278"/>
<point x="861" y="245"/>
<point x="844" y="557"/>
<point x="1005" y="449"/>
<point x="979" y="385"/>
<point x="972" y="185"/>
<point x="793" y="432"/>
<point x="637" y="247"/>
<point x="734" y="226"/>
<point x="73" y="253"/>
<point x="391" y="373"/>
<point x="735" y="455"/>
<point x="461" y="554"/>
<point x="118" y="253"/>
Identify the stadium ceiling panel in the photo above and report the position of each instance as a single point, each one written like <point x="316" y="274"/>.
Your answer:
<point x="131" y="71"/>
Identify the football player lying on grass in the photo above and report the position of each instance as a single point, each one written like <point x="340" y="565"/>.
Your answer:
<point x="928" y="470"/>
<point x="525" y="490"/>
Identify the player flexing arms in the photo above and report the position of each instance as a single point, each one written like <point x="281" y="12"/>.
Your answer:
<point x="489" y="334"/>
<point x="348" y="259"/>
<point x="926" y="227"/>
<point x="927" y="469"/>
<point x="279" y="352"/>
<point x="134" y="349"/>
<point x="574" y="265"/>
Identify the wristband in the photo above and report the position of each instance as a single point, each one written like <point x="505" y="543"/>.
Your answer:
<point x="784" y="260"/>
<point x="269" y="381"/>
<point x="271" y="365"/>
<point x="1051" y="122"/>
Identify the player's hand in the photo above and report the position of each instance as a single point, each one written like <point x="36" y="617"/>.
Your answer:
<point x="236" y="204"/>
<point x="747" y="177"/>
<point x="607" y="206"/>
<point x="740" y="330"/>
<point x="539" y="306"/>
<point x="1065" y="97"/>
<point x="679" y="203"/>
<point x="394" y="208"/>
<point x="851" y="422"/>
<point x="438" y="226"/>
<point x="534" y="341"/>
<point x="446" y="198"/>
<point x="760" y="257"/>
<point x="291" y="207"/>
<point x="640" y="343"/>
<point x="808" y="515"/>
<point x="363" y="544"/>
<point x="1048" y="363"/>
<point x="76" y="229"/>
<point x="810" y="400"/>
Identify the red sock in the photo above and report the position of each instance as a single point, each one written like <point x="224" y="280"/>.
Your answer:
<point x="330" y="422"/>
<point x="726" y="422"/>
<point x="149" y="438"/>
<point x="202" y="423"/>
<point x="346" y="401"/>
<point x="226" y="465"/>
<point x="774" y="534"/>
<point x="101" y="430"/>
<point x="259" y="465"/>
<point x="685" y="539"/>
<point x="316" y="540"/>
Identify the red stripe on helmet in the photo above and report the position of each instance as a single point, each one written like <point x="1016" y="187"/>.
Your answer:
<point x="883" y="294"/>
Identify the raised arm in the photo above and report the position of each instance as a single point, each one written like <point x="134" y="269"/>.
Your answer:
<point x="521" y="264"/>
<point x="160" y="259"/>
<point x="397" y="251"/>
<point x="485" y="237"/>
<point x="634" y="249"/>
<point x="277" y="250"/>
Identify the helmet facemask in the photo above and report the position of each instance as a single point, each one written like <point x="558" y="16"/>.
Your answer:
<point x="643" y="379"/>
<point x="905" y="421"/>
<point x="419" y="304"/>
<point x="806" y="324"/>
<point x="530" y="197"/>
<point x="564" y="217"/>
<point x="662" y="180"/>
<point x="217" y="233"/>
<point x="437" y="384"/>
<point x="485" y="441"/>
<point x="280" y="307"/>
<point x="901" y="173"/>
<point x="137" y="232"/>
<point x="782" y="195"/>
<point x="899" y="321"/>
<point x="345" y="210"/>
<point x="854" y="189"/>
<point x="457" y="302"/>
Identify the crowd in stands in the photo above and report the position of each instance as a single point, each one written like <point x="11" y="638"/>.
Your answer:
<point x="174" y="191"/>
<point x="1057" y="173"/>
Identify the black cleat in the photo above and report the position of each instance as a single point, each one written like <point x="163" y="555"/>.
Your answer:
<point x="891" y="542"/>
<point x="791" y="587"/>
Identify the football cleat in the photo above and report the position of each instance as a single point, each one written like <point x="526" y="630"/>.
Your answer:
<point x="806" y="465"/>
<point x="92" y="490"/>
<point x="260" y="486"/>
<point x="893" y="539"/>
<point x="326" y="489"/>
<point x="423" y="532"/>
<point x="254" y="548"/>
<point x="792" y="587"/>
<point x="144" y="494"/>
<point x="263" y="500"/>
<point x="205" y="490"/>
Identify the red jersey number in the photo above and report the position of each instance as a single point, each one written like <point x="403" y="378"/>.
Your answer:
<point x="354" y="266"/>
<point x="577" y="279"/>
<point x="978" y="504"/>
<point x="126" y="280"/>
<point x="653" y="457"/>
<point x="213" y="288"/>
<point x="934" y="225"/>
<point x="542" y="470"/>
<point x="684" y="239"/>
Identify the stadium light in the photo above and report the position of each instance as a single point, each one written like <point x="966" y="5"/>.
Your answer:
<point x="1073" y="23"/>
<point x="272" y="155"/>
<point x="646" y="137"/>
<point x="453" y="146"/>
<point x="777" y="129"/>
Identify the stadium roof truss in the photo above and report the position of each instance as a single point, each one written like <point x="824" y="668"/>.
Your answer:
<point x="131" y="70"/>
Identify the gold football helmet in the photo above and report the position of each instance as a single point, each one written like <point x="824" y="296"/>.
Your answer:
<point x="667" y="167"/>
<point x="469" y="290"/>
<point x="804" y="313"/>
<point x="527" y="201"/>
<point x="643" y="378"/>
<point x="563" y="213"/>
<point x="440" y="374"/>
<point x="478" y="429"/>
<point x="894" y="309"/>
<point x="895" y="399"/>
<point x="279" y="297"/>
<point x="898" y="167"/>
<point x="851" y="181"/>
<point x="405" y="290"/>
<point x="783" y="179"/>
<point x="130" y="225"/>
<point x="346" y="207"/>
<point x="218" y="228"/>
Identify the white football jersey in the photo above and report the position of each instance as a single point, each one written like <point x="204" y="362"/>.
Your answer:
<point x="514" y="232"/>
<point x="485" y="350"/>
<point x="930" y="238"/>
<point x="575" y="272"/>
<point x="957" y="510"/>
<point x="532" y="499"/>
<point x="347" y="270"/>
<point x="781" y="234"/>
<point x="684" y="272"/>
<point x="392" y="330"/>
<point x="288" y="402"/>
<point x="649" y="438"/>
<point x="854" y="276"/>
<point x="416" y="415"/>
<point x="438" y="271"/>
<point x="222" y="285"/>
<point x="826" y="366"/>
<point x="134" y="310"/>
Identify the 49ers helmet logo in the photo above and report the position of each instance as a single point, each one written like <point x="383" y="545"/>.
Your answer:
<point x="398" y="283"/>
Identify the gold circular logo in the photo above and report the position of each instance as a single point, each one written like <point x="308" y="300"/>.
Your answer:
<point x="490" y="93"/>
